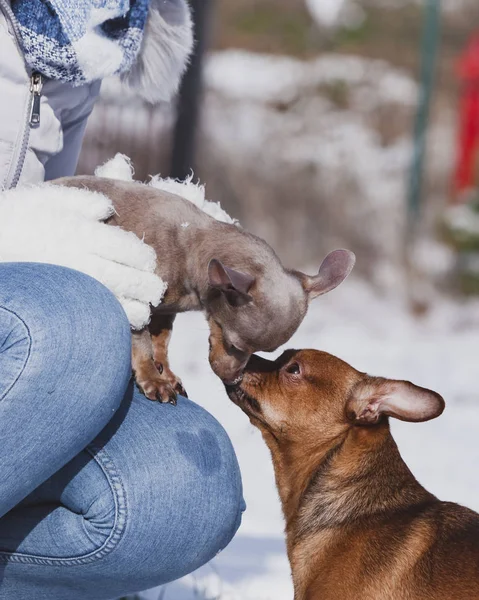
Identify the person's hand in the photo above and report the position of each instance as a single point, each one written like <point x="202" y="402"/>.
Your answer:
<point x="63" y="226"/>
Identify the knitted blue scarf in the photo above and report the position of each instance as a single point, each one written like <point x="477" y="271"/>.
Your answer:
<point x="80" y="40"/>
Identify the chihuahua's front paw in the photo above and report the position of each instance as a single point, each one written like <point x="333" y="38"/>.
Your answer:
<point x="174" y="381"/>
<point x="160" y="385"/>
<point x="158" y="390"/>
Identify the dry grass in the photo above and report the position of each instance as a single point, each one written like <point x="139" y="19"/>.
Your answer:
<point x="274" y="26"/>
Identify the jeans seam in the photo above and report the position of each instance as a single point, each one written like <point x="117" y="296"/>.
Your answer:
<point x="29" y="337"/>
<point x="113" y="477"/>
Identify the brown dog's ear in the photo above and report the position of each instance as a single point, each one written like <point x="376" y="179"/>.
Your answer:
<point x="375" y="397"/>
<point x="234" y="284"/>
<point x="333" y="270"/>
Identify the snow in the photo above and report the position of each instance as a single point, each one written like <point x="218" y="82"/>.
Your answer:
<point x="330" y="15"/>
<point x="264" y="78"/>
<point x="326" y="13"/>
<point x="375" y="334"/>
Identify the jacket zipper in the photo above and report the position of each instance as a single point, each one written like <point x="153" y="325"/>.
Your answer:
<point x="36" y="84"/>
<point x="33" y="109"/>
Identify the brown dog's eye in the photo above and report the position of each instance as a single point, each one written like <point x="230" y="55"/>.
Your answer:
<point x="293" y="368"/>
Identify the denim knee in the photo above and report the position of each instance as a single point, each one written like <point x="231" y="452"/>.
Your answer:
<point x="183" y="493"/>
<point x="67" y="327"/>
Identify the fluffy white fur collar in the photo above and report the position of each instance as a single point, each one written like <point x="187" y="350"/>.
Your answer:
<point x="166" y="47"/>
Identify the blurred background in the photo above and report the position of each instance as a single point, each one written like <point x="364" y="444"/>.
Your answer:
<point x="323" y="124"/>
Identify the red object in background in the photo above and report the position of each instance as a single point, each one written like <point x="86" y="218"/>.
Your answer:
<point x="468" y="71"/>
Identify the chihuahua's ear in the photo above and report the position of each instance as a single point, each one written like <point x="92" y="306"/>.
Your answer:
<point x="233" y="284"/>
<point x="375" y="397"/>
<point x="333" y="270"/>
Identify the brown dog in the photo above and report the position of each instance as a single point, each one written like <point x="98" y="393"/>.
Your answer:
<point x="358" y="524"/>
<point x="251" y="301"/>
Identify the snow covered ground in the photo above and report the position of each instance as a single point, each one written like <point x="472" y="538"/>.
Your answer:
<point x="375" y="334"/>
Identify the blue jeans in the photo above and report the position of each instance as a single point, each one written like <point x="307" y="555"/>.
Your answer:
<point x="102" y="492"/>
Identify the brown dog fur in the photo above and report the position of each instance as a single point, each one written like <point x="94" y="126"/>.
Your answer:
<point x="251" y="301"/>
<point x="358" y="524"/>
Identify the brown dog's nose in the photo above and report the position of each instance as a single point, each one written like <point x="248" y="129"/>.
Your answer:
<point x="256" y="364"/>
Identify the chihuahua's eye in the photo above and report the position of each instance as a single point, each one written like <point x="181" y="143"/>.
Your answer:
<point x="293" y="368"/>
